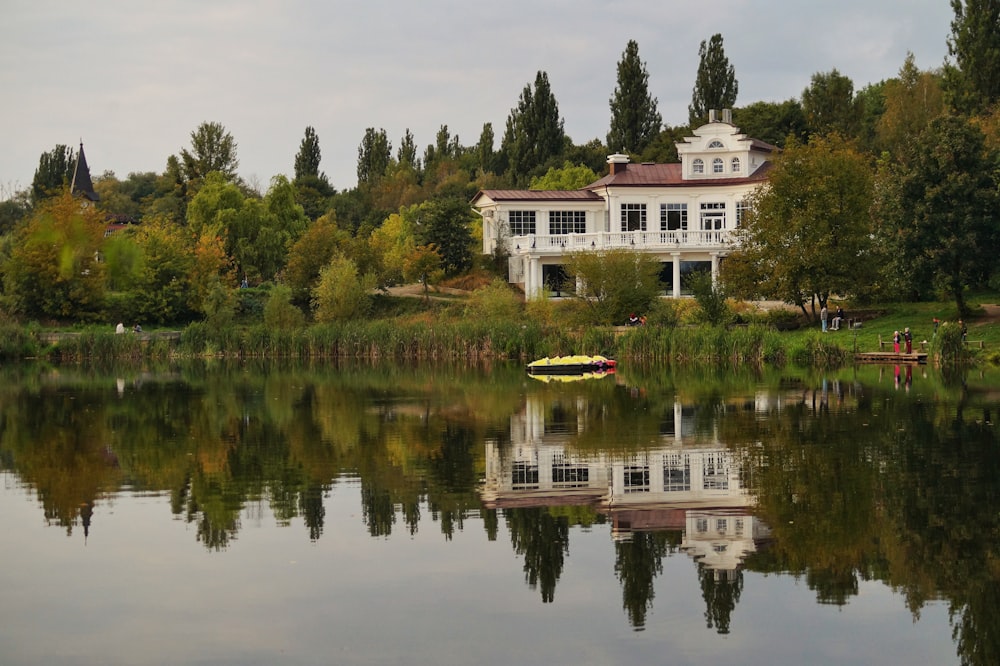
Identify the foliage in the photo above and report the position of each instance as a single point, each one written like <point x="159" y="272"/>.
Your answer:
<point x="161" y="290"/>
<point x="808" y="233"/>
<point x="534" y="133"/>
<point x="613" y="283"/>
<point x="635" y="122"/>
<point x="830" y="106"/>
<point x="213" y="148"/>
<point x="54" y="172"/>
<point x="311" y="252"/>
<point x="423" y="265"/>
<point x="973" y="80"/>
<point x="912" y="100"/>
<point x="568" y="178"/>
<point x="494" y="302"/>
<point x="220" y="304"/>
<point x="53" y="269"/>
<point x="309" y="155"/>
<point x="947" y="230"/>
<point x="340" y="293"/>
<point x="772" y="122"/>
<point x="374" y="156"/>
<point x="280" y="313"/>
<point x="391" y="244"/>
<point x="715" y="85"/>
<point x="711" y="298"/>
<point x="446" y="224"/>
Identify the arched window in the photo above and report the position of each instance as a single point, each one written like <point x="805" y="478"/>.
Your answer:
<point x="718" y="166"/>
<point x="716" y="144"/>
<point x="736" y="165"/>
<point x="698" y="166"/>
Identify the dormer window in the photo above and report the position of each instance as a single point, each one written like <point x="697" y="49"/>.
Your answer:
<point x="716" y="144"/>
<point x="718" y="166"/>
<point x="698" y="166"/>
<point x="736" y="165"/>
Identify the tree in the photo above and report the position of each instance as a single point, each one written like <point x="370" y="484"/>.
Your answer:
<point x="54" y="172"/>
<point x="715" y="85"/>
<point x="374" y="155"/>
<point x="635" y="122"/>
<point x="423" y="265"/>
<point x="772" y="122"/>
<point x="53" y="269"/>
<point x="973" y="80"/>
<point x="569" y="177"/>
<point x="912" y="100"/>
<point x="447" y="224"/>
<point x="613" y="283"/>
<point x="212" y="149"/>
<point x="830" y="106"/>
<point x="534" y="132"/>
<point x="808" y="232"/>
<point x="308" y="157"/>
<point x="340" y="293"/>
<point x="311" y="252"/>
<point x="485" y="155"/>
<point x="947" y="227"/>
<point x="407" y="154"/>
<point x="391" y="244"/>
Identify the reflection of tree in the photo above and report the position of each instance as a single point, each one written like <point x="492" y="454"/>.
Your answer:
<point x="721" y="592"/>
<point x="543" y="540"/>
<point x="637" y="563"/>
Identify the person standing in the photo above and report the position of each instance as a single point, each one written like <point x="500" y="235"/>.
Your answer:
<point x="822" y="317"/>
<point x="895" y="341"/>
<point x="908" y="337"/>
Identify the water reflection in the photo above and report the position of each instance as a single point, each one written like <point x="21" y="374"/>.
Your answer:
<point x="835" y="480"/>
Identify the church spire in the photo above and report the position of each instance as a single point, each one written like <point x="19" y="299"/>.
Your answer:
<point x="82" y="185"/>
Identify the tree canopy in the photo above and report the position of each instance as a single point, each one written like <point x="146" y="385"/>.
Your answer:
<point x="974" y="76"/>
<point x="635" y="122"/>
<point x="715" y="85"/>
<point x="534" y="132"/>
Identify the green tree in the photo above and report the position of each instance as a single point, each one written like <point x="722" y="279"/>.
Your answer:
<point x="534" y="133"/>
<point x="311" y="252"/>
<point x="947" y="227"/>
<point x="309" y="155"/>
<point x="569" y="177"/>
<point x="14" y="208"/>
<point x="212" y="149"/>
<point x="830" y="106"/>
<point x="973" y="80"/>
<point x="161" y="289"/>
<point x="423" y="265"/>
<point x="635" y="122"/>
<point x="912" y="100"/>
<point x="407" y="153"/>
<point x="447" y="224"/>
<point x="613" y="283"/>
<point x="772" y="122"/>
<point x="808" y="232"/>
<point x="374" y="156"/>
<point x="341" y="294"/>
<point x="711" y="298"/>
<point x="53" y="269"/>
<point x="485" y="155"/>
<point x="391" y="244"/>
<point x="279" y="312"/>
<point x="715" y="85"/>
<point x="54" y="172"/>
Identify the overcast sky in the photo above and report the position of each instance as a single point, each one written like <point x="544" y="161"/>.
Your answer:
<point x="132" y="80"/>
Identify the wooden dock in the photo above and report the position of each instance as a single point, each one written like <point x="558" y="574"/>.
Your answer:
<point x="891" y="357"/>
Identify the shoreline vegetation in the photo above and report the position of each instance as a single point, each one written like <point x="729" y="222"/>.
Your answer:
<point x="447" y="330"/>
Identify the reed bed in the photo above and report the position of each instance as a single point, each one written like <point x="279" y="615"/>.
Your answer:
<point x="755" y="344"/>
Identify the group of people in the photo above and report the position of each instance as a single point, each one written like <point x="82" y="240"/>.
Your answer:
<point x="120" y="328"/>
<point x="905" y="337"/>
<point x="635" y="321"/>
<point x="838" y="318"/>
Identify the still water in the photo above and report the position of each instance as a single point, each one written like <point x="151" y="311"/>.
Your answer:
<point x="384" y="514"/>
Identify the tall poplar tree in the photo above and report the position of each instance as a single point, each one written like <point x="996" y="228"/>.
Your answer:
<point x="54" y="172"/>
<point x="374" y="155"/>
<point x="830" y="104"/>
<point x="534" y="133"/>
<point x="635" y="122"/>
<point x="407" y="154"/>
<point x="715" y="84"/>
<point x="973" y="80"/>
<point x="308" y="157"/>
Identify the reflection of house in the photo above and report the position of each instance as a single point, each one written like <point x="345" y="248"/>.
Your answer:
<point x="683" y="214"/>
<point x="682" y="484"/>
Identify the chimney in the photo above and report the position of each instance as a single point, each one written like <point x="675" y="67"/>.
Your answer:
<point x="617" y="163"/>
<point x="727" y="116"/>
<point x="713" y="116"/>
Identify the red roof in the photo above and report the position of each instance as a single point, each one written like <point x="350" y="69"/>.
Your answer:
<point x="670" y="175"/>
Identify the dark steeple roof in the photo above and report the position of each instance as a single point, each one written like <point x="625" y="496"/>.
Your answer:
<point x="82" y="184"/>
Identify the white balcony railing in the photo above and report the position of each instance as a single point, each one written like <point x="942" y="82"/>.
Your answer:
<point x="638" y="240"/>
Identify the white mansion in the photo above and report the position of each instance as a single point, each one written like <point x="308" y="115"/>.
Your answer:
<point x="684" y="214"/>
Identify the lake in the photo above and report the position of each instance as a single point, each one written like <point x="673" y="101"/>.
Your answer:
<point x="361" y="513"/>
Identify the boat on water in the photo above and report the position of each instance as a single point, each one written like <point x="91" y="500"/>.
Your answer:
<point x="571" y="365"/>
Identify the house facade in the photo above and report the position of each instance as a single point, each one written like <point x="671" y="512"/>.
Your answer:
<point x="684" y="214"/>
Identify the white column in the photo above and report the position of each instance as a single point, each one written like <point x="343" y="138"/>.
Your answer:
<point x="676" y="256"/>
<point x="715" y="268"/>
